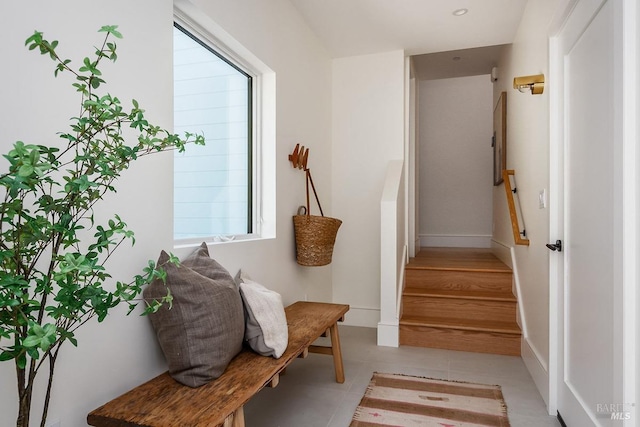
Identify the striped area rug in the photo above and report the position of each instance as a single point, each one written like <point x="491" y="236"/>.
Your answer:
<point x="401" y="401"/>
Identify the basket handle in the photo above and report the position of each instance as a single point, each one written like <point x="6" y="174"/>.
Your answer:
<point x="299" y="159"/>
<point x="313" y="187"/>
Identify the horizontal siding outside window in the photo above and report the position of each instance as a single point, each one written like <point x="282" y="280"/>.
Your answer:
<point x="212" y="183"/>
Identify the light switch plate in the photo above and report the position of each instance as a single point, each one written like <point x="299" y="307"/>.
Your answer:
<point x="542" y="199"/>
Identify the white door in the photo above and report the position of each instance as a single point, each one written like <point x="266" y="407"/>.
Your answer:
<point x="590" y="307"/>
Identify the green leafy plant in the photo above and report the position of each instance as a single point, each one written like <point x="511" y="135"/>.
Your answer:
<point x="53" y="254"/>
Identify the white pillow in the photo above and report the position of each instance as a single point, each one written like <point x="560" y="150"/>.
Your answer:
<point x="266" y="329"/>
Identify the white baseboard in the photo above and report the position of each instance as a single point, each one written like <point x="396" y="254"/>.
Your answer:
<point x="539" y="372"/>
<point x="388" y="334"/>
<point x="362" y="316"/>
<point x="454" y="241"/>
<point x="502" y="252"/>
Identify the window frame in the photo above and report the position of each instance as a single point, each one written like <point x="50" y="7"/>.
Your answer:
<point x="255" y="210"/>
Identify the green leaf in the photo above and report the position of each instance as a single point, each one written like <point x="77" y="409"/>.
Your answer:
<point x="111" y="29"/>
<point x="34" y="156"/>
<point x="33" y="353"/>
<point x="31" y="341"/>
<point x="6" y="355"/>
<point x="34" y="40"/>
<point x="95" y="82"/>
<point x="26" y="170"/>
<point x="21" y="361"/>
<point x="68" y="335"/>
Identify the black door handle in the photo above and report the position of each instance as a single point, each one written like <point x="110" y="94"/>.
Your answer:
<point x="555" y="247"/>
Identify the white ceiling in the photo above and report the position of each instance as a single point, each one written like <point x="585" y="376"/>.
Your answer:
<point x="359" y="27"/>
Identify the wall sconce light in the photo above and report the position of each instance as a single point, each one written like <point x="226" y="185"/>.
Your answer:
<point x="533" y="83"/>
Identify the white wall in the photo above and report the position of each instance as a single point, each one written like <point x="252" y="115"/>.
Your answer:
<point x="456" y="161"/>
<point x="637" y="301"/>
<point x="368" y="132"/>
<point x="122" y="352"/>
<point x="528" y="155"/>
<point x="412" y="157"/>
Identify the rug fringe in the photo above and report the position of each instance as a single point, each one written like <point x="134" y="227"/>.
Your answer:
<point x="437" y="379"/>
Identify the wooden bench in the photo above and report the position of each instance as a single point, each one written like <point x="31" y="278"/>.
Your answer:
<point x="163" y="401"/>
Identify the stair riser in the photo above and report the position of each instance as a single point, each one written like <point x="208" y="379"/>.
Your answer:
<point x="458" y="308"/>
<point x="453" y="339"/>
<point x="458" y="280"/>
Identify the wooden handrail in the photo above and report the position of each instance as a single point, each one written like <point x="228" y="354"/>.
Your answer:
<point x="518" y="236"/>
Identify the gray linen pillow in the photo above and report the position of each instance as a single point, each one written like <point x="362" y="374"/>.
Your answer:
<point x="203" y="330"/>
<point x="201" y="262"/>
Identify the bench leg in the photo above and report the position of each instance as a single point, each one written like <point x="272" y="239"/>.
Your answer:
<point x="337" y="353"/>
<point x="236" y="419"/>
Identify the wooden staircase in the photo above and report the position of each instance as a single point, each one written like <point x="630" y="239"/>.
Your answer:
<point x="459" y="299"/>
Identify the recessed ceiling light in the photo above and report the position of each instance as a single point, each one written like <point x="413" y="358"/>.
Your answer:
<point x="460" y="12"/>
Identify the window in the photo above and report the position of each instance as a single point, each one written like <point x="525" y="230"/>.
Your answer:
<point x="213" y="184"/>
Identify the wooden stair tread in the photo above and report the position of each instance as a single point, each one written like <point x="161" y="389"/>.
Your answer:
<point x="457" y="259"/>
<point x="453" y="267"/>
<point x="463" y="324"/>
<point x="470" y="294"/>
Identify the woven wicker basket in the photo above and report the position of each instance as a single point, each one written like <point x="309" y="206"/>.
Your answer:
<point x="315" y="237"/>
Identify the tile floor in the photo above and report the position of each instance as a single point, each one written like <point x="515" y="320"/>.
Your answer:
<point x="308" y="395"/>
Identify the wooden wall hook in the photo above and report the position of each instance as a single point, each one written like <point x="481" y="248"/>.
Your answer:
<point x="299" y="157"/>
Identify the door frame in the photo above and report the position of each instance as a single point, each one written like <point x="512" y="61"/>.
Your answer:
<point x="628" y="332"/>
